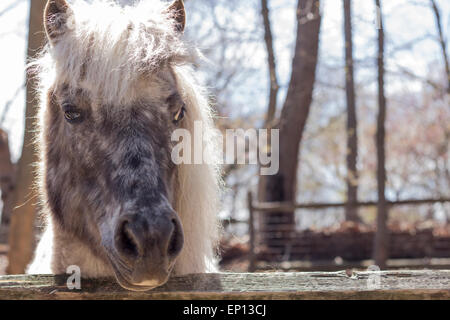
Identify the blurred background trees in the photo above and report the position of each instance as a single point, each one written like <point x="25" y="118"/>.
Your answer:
<point x="21" y="231"/>
<point x="358" y="89"/>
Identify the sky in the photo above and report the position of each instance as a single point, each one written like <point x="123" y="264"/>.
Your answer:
<point x="403" y="21"/>
<point x="13" y="35"/>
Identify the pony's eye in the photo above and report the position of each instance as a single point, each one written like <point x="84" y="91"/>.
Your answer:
<point x="179" y="115"/>
<point x="71" y="114"/>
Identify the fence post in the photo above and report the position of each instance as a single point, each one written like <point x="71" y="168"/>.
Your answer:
<point x="251" y="231"/>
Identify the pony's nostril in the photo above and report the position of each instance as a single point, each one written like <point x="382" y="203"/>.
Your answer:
<point x="176" y="240"/>
<point x="127" y="240"/>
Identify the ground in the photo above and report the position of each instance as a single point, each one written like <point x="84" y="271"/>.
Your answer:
<point x="3" y="249"/>
<point x="3" y="264"/>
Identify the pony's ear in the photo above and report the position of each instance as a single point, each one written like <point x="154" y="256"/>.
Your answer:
<point x="176" y="9"/>
<point x="57" y="15"/>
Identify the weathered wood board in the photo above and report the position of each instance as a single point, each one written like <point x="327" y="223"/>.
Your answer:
<point x="406" y="284"/>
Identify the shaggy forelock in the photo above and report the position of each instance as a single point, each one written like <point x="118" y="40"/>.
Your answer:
<point x="108" y="48"/>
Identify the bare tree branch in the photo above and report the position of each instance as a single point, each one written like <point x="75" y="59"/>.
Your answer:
<point x="9" y="103"/>
<point x="442" y="41"/>
<point x="10" y="7"/>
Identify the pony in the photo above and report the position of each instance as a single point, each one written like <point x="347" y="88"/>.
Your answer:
<point x="115" y="82"/>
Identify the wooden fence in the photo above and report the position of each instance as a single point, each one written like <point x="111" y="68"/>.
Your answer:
<point x="308" y="285"/>
<point x="262" y="208"/>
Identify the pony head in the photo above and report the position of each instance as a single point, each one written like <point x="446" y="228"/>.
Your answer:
<point x="116" y="86"/>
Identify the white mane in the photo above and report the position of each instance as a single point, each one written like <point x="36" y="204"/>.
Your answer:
<point x="108" y="48"/>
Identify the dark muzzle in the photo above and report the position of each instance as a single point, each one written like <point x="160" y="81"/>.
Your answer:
<point x="148" y="245"/>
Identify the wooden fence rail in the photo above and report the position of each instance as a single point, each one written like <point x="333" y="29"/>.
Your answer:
<point x="309" y="285"/>
<point x="289" y="207"/>
<point x="265" y="207"/>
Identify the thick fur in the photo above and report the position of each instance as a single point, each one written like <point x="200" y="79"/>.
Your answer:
<point x="109" y="62"/>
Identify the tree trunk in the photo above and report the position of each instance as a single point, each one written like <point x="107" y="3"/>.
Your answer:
<point x="274" y="87"/>
<point x="7" y="177"/>
<point x="381" y="236"/>
<point x="21" y="235"/>
<point x="351" y="211"/>
<point x="283" y="185"/>
<point x="442" y="41"/>
<point x="268" y="39"/>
